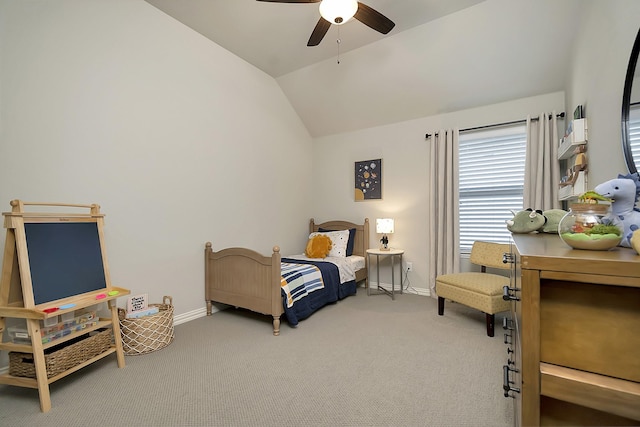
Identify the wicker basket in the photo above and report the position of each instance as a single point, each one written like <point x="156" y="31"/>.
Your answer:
<point x="149" y="333"/>
<point x="63" y="357"/>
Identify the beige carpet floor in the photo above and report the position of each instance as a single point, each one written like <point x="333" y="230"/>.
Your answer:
<point x="365" y="361"/>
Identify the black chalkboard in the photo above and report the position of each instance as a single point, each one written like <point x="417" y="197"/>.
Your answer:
<point x="65" y="259"/>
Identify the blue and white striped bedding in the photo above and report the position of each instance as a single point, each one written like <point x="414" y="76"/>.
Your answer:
<point x="299" y="280"/>
<point x="309" y="284"/>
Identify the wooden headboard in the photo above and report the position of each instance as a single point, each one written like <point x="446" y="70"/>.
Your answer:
<point x="361" y="243"/>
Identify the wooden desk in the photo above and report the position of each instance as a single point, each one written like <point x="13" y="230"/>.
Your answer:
<point x="579" y="333"/>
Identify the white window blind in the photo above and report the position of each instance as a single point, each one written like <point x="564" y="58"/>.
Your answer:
<point x="634" y="132"/>
<point x="491" y="173"/>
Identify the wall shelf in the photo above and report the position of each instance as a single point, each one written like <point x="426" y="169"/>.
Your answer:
<point x="568" y="192"/>
<point x="576" y="135"/>
<point x="571" y="154"/>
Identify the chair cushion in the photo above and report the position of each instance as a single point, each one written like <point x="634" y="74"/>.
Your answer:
<point x="490" y="304"/>
<point x="482" y="291"/>
<point x="483" y="283"/>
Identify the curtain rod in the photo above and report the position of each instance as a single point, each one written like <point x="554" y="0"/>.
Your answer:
<point x="560" y="115"/>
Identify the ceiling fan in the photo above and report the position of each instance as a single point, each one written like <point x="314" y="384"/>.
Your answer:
<point x="339" y="12"/>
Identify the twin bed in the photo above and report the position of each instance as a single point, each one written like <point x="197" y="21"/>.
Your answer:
<point x="244" y="278"/>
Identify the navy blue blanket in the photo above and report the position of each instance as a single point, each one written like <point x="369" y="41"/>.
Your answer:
<point x="332" y="292"/>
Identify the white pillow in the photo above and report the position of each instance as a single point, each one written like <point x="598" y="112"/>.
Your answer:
<point x="339" y="240"/>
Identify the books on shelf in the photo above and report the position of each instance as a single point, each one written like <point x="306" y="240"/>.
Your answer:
<point x="576" y="135"/>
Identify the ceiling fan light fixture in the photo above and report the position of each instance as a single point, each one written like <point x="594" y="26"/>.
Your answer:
<point x="338" y="11"/>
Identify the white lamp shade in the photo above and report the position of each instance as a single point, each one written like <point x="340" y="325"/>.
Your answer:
<point x="338" y="11"/>
<point x="384" y="225"/>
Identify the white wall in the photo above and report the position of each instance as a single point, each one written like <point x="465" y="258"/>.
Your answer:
<point x="596" y="80"/>
<point x="180" y="142"/>
<point x="405" y="159"/>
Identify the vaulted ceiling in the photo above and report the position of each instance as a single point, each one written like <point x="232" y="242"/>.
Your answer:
<point x="442" y="55"/>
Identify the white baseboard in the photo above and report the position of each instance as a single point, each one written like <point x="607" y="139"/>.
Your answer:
<point x="192" y="315"/>
<point x="409" y="290"/>
<point x="418" y="291"/>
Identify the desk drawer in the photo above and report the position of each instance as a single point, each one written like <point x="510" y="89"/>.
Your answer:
<point x="589" y="327"/>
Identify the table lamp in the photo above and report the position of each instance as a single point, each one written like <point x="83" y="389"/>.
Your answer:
<point x="384" y="226"/>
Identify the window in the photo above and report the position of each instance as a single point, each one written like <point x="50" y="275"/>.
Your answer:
<point x="634" y="131"/>
<point x="491" y="173"/>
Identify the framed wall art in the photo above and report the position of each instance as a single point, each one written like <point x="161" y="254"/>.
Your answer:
<point x="368" y="180"/>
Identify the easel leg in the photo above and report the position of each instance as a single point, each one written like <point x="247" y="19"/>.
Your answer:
<point x="40" y="365"/>
<point x="7" y="271"/>
<point x="117" y="338"/>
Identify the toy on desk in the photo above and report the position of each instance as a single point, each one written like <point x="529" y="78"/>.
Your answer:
<point x="635" y="241"/>
<point x="553" y="217"/>
<point x="624" y="192"/>
<point x="101" y="296"/>
<point x="526" y="221"/>
<point x="112" y="293"/>
<point x="66" y="306"/>
<point x="529" y="221"/>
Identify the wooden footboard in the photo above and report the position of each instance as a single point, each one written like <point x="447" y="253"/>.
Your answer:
<point x="244" y="278"/>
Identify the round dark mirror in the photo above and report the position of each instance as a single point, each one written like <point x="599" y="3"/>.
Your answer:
<point x="631" y="111"/>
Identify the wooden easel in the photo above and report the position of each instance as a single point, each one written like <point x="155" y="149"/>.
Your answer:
<point x="17" y="294"/>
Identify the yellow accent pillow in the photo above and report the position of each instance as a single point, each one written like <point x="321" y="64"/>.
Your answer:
<point x="318" y="246"/>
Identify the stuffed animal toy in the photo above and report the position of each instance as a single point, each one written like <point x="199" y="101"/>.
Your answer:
<point x="318" y="246"/>
<point x="624" y="192"/>
<point x="553" y="217"/>
<point x="635" y="241"/>
<point x="526" y="221"/>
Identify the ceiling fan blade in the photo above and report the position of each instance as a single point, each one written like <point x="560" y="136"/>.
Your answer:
<point x="291" y="1"/>
<point x="318" y="32"/>
<point x="374" y="19"/>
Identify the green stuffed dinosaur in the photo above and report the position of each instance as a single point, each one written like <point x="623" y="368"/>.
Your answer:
<point x="529" y="221"/>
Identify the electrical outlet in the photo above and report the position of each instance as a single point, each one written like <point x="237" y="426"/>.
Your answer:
<point x="409" y="266"/>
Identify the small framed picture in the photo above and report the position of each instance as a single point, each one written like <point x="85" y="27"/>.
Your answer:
<point x="368" y="180"/>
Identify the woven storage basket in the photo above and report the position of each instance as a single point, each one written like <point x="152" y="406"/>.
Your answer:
<point x="149" y="333"/>
<point x="58" y="361"/>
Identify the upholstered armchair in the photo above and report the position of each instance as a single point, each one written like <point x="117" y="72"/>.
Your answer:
<point x="480" y="290"/>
